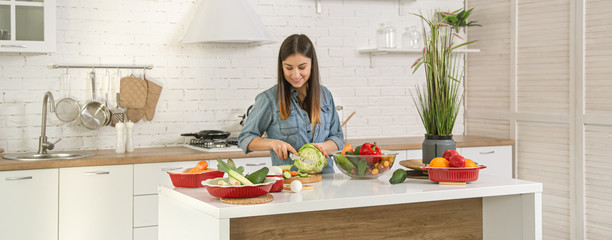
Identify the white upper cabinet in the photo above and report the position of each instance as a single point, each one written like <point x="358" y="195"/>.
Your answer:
<point x="27" y="26"/>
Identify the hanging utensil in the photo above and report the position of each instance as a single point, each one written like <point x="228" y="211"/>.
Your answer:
<point x="347" y="119"/>
<point x="94" y="114"/>
<point x="117" y="113"/>
<point x="67" y="109"/>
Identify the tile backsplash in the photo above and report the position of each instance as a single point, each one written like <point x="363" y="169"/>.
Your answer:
<point x="207" y="86"/>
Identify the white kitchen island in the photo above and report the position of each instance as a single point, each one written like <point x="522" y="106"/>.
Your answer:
<point x="340" y="208"/>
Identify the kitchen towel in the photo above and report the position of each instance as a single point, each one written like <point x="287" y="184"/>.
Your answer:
<point x="154" y="89"/>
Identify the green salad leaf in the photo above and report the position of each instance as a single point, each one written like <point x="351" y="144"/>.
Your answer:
<point x="309" y="151"/>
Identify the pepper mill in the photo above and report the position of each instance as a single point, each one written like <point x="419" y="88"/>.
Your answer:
<point x="129" y="143"/>
<point x="120" y="145"/>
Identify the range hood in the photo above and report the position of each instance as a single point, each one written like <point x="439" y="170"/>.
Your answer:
<point x="227" y="21"/>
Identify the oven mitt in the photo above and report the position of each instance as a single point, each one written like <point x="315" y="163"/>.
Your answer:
<point x="133" y="92"/>
<point x="154" y="89"/>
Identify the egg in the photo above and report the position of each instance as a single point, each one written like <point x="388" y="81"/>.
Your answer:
<point x="274" y="170"/>
<point x="296" y="186"/>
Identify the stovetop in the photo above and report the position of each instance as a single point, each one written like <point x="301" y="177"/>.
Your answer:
<point x="216" y="145"/>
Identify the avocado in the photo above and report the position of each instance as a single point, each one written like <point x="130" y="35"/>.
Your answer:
<point x="398" y="176"/>
<point x="258" y="176"/>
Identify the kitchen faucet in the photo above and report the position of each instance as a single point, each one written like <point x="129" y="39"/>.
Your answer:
<point x="43" y="145"/>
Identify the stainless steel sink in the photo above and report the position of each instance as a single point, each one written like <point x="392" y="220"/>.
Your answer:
<point x="48" y="156"/>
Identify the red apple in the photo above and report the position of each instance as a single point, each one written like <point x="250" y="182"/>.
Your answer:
<point x="457" y="161"/>
<point x="449" y="153"/>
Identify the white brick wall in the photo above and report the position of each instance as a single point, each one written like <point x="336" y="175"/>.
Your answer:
<point x="208" y="85"/>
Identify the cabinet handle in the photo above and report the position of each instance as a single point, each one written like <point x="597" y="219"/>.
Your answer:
<point x="13" y="46"/>
<point x="489" y="152"/>
<point x="97" y="173"/>
<point x="169" y="169"/>
<point x="255" y="164"/>
<point x="17" y="178"/>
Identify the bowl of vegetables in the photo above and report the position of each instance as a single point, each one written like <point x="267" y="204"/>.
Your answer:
<point x="238" y="185"/>
<point x="366" y="161"/>
<point x="193" y="177"/>
<point x="220" y="187"/>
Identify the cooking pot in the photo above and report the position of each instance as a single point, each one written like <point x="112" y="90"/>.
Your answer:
<point x="208" y="134"/>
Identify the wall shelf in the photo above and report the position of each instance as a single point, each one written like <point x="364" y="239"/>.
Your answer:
<point x="404" y="50"/>
<point x="381" y="51"/>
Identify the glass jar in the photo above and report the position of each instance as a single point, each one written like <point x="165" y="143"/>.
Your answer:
<point x="380" y="36"/>
<point x="390" y="36"/>
<point x="415" y="38"/>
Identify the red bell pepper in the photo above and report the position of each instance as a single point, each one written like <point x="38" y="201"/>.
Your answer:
<point x="370" y="149"/>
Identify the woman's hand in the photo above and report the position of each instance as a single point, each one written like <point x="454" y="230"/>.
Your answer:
<point x="282" y="148"/>
<point x="321" y="148"/>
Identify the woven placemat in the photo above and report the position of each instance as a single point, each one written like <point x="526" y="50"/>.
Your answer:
<point x="248" y="201"/>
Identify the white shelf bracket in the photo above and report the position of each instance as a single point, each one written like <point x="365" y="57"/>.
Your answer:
<point x="318" y="6"/>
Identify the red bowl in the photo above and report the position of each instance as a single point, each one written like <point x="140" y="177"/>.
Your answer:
<point x="278" y="185"/>
<point x="453" y="174"/>
<point x="242" y="191"/>
<point x="182" y="177"/>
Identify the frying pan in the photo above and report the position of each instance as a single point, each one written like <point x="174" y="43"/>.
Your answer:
<point x="94" y="114"/>
<point x="208" y="134"/>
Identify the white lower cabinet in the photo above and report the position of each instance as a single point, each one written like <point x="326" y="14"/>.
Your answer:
<point x="145" y="210"/>
<point x="145" y="233"/>
<point x="497" y="159"/>
<point x="147" y="177"/>
<point x="95" y="202"/>
<point x="28" y="205"/>
<point x="253" y="164"/>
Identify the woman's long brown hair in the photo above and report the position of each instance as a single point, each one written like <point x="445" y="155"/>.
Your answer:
<point x="299" y="43"/>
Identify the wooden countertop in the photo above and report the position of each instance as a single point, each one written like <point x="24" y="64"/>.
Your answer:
<point x="180" y="153"/>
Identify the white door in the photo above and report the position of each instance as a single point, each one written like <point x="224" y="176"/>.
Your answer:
<point x="28" y="204"/>
<point x="95" y="202"/>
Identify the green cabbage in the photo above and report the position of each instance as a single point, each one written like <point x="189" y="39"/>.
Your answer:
<point x="309" y="151"/>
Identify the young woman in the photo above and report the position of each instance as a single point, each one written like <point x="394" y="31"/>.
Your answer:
<point x="294" y="112"/>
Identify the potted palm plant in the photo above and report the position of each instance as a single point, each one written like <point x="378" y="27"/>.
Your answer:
<point x="438" y="101"/>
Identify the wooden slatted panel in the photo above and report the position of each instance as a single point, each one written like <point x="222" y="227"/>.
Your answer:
<point x="488" y="72"/>
<point x="598" y="55"/>
<point x="598" y="181"/>
<point x="543" y="156"/>
<point x="488" y="127"/>
<point x="543" y="56"/>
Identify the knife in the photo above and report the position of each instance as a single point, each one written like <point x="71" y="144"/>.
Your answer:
<point x="296" y="157"/>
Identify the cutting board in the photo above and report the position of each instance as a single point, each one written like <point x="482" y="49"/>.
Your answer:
<point x="304" y="187"/>
<point x="415" y="164"/>
<point x="310" y="179"/>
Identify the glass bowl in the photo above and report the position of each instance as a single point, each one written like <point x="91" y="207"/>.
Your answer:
<point x="364" y="166"/>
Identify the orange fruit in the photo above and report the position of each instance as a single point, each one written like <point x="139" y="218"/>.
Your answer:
<point x="439" y="162"/>
<point x="470" y="163"/>
<point x="200" y="167"/>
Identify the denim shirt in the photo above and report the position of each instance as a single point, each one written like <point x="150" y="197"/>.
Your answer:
<point x="296" y="130"/>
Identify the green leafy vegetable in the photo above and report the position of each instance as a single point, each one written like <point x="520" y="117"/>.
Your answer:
<point x="232" y="171"/>
<point x="309" y="151"/>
